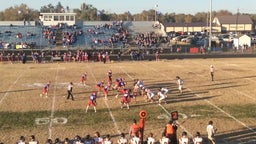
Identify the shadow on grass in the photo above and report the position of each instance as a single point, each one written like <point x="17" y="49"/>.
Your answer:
<point x="239" y="136"/>
<point x="13" y="91"/>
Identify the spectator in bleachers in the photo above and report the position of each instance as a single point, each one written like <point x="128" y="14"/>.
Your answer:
<point x="146" y="40"/>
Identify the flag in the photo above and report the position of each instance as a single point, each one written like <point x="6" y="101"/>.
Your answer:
<point x="98" y="13"/>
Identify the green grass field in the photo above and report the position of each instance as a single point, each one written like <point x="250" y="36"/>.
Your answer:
<point x="229" y="101"/>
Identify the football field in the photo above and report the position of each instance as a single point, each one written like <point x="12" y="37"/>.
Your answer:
<point x="229" y="101"/>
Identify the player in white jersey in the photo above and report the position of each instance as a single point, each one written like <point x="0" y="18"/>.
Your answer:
<point x="22" y="140"/>
<point x="184" y="138"/>
<point x="33" y="140"/>
<point x="180" y="83"/>
<point x="122" y="139"/>
<point x="211" y="132"/>
<point x="97" y="138"/>
<point x="164" y="140"/>
<point x="150" y="95"/>
<point x="212" y="72"/>
<point x="150" y="139"/>
<point x="198" y="139"/>
<point x="135" y="140"/>
<point x="164" y="90"/>
<point x="107" y="140"/>
<point x="162" y="97"/>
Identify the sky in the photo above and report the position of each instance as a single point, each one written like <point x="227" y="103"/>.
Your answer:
<point x="137" y="6"/>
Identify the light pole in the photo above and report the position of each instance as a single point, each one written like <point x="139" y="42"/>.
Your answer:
<point x="210" y="30"/>
<point x="156" y="11"/>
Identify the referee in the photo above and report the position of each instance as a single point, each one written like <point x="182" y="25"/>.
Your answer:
<point x="70" y="88"/>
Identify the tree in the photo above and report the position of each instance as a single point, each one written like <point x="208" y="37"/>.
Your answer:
<point x="189" y="18"/>
<point x="201" y="17"/>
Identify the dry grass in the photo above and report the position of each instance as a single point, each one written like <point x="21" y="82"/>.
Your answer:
<point x="229" y="101"/>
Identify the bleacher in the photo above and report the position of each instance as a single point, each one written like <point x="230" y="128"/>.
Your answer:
<point x="16" y="37"/>
<point x="97" y="35"/>
<point x="92" y="35"/>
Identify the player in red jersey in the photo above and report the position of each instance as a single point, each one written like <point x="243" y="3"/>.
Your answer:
<point x="125" y="100"/>
<point x="1" y="57"/>
<point x="105" y="91"/>
<point x="65" y="57"/>
<point x="83" y="78"/>
<point x="45" y="90"/>
<point x="92" y="102"/>
<point x="115" y="87"/>
<point x="109" y="74"/>
<point x="100" y="86"/>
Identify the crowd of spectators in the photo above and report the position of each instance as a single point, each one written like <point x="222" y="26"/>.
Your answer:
<point x="147" y="40"/>
<point x="114" y="33"/>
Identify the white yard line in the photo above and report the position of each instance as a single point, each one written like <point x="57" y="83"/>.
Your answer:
<point x="53" y="104"/>
<point x="212" y="104"/>
<point x="160" y="104"/>
<point x="107" y="105"/>
<point x="11" y="86"/>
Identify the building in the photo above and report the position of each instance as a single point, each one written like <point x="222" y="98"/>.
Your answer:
<point x="243" y="41"/>
<point x="220" y="24"/>
<point x="189" y="27"/>
<point x="48" y="19"/>
<point x="234" y="23"/>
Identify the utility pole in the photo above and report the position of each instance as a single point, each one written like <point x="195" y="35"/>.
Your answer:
<point x="237" y="14"/>
<point x="156" y="12"/>
<point x="210" y="30"/>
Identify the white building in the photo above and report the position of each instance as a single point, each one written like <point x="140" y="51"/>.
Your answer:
<point x="49" y="19"/>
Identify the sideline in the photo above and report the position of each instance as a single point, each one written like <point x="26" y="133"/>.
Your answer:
<point x="53" y="103"/>
<point x="107" y="105"/>
<point x="212" y="104"/>
<point x="160" y="104"/>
